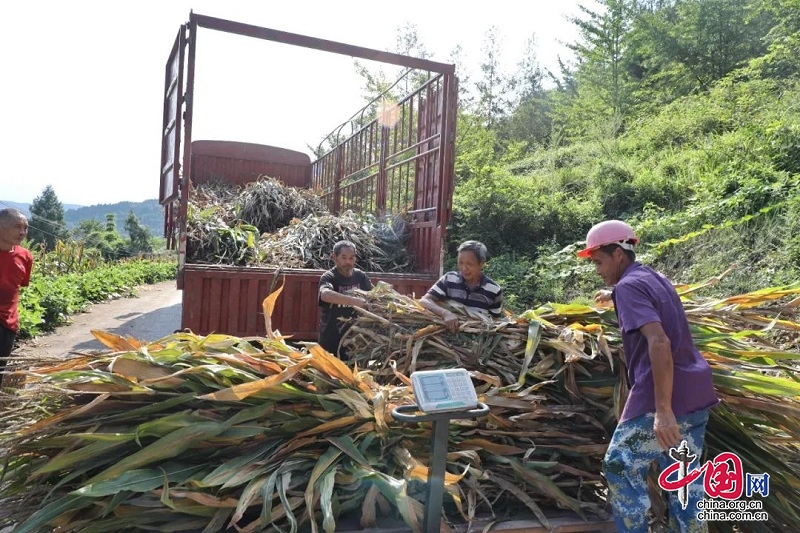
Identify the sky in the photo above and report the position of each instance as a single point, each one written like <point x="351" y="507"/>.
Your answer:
<point x="83" y="81"/>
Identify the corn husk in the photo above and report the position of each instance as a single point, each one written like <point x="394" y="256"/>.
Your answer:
<point x="207" y="433"/>
<point x="269" y="224"/>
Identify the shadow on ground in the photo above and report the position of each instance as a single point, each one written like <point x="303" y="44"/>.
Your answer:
<point x="142" y="326"/>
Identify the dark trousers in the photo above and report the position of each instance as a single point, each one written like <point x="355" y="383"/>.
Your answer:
<point x="6" y="345"/>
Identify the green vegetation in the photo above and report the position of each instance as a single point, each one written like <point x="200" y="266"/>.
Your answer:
<point x="46" y="224"/>
<point x="694" y="141"/>
<point x="67" y="279"/>
<point x="149" y="214"/>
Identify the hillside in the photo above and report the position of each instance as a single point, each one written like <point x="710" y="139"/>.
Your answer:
<point x="24" y="207"/>
<point x="710" y="183"/>
<point x="149" y="212"/>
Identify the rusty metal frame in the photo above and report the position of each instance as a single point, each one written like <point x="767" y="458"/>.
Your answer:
<point x="446" y="99"/>
<point x="171" y="135"/>
<point x="406" y="167"/>
<point x="316" y="43"/>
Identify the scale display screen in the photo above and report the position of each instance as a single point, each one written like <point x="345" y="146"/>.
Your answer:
<point x="444" y="390"/>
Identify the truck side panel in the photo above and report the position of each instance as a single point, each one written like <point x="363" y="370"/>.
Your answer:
<point x="227" y="299"/>
<point x="239" y="163"/>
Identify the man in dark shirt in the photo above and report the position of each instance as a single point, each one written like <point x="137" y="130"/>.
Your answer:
<point x="335" y="300"/>
<point x="468" y="286"/>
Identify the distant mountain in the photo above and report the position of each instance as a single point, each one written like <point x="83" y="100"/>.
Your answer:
<point x="149" y="212"/>
<point x="150" y="215"/>
<point x="25" y="207"/>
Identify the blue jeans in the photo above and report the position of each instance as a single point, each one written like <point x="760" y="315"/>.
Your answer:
<point x="633" y="447"/>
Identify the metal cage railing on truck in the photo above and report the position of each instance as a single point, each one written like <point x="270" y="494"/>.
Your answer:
<point x="420" y="183"/>
<point x="402" y="165"/>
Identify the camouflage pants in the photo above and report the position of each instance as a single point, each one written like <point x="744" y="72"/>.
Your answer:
<point x="633" y="447"/>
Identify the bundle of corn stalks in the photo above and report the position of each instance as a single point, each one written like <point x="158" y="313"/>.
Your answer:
<point x="191" y="433"/>
<point x="571" y="356"/>
<point x="225" y="222"/>
<point x="269" y="205"/>
<point x="214" y="231"/>
<point x="206" y="433"/>
<point x="269" y="224"/>
<point x="308" y="243"/>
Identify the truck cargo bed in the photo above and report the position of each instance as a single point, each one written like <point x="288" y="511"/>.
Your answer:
<point x="227" y="299"/>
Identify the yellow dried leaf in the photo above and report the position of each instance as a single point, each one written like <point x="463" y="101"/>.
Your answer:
<point x="421" y="473"/>
<point x="140" y="370"/>
<point x="334" y="367"/>
<point x="242" y="391"/>
<point x="268" y="305"/>
<point x="116" y="342"/>
<point x="329" y="426"/>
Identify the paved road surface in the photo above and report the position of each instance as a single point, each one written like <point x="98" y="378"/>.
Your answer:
<point x="154" y="313"/>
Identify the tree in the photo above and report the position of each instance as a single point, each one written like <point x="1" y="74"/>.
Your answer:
<point x="85" y="228"/>
<point x="466" y="101"/>
<point x="783" y="39"/>
<point x="530" y="120"/>
<point x="492" y="104"/>
<point x="677" y="48"/>
<point x="46" y="225"/>
<point x="108" y="240"/>
<point x="604" y="86"/>
<point x="139" y="236"/>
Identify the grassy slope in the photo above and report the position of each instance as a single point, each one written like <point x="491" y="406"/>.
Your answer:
<point x="710" y="183"/>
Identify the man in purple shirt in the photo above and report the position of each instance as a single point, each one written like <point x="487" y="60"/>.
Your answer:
<point x="671" y="384"/>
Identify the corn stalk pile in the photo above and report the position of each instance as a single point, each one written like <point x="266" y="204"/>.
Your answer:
<point x="269" y="205"/>
<point x="206" y="433"/>
<point x="214" y="231"/>
<point x="308" y="243"/>
<point x="564" y="363"/>
<point x="269" y="224"/>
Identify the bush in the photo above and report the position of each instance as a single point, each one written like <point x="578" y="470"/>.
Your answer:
<point x="51" y="299"/>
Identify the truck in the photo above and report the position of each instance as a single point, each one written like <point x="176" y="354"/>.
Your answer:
<point x="380" y="168"/>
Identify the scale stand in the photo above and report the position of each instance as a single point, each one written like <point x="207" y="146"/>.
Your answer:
<point x="436" y="468"/>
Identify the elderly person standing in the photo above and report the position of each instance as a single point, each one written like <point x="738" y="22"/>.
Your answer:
<point x="16" y="264"/>
<point x="468" y="286"/>
<point x="671" y="384"/>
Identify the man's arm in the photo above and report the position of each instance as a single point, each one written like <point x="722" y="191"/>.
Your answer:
<point x="450" y="319"/>
<point x="330" y="296"/>
<point x="665" y="426"/>
<point x="28" y="270"/>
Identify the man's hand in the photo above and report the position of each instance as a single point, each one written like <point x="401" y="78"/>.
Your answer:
<point x="451" y="321"/>
<point x="358" y="302"/>
<point x="602" y="296"/>
<point x="666" y="429"/>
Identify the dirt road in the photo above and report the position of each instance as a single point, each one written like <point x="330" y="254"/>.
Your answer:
<point x="154" y="313"/>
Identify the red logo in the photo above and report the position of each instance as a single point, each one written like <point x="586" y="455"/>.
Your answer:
<point x="722" y="476"/>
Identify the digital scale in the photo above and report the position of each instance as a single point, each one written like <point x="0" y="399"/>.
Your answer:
<point x="437" y="391"/>
<point x="442" y="395"/>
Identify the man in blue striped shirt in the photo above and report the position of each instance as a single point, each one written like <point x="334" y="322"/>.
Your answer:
<point x="468" y="286"/>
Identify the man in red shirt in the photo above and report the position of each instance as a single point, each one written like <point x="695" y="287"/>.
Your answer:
<point x="15" y="271"/>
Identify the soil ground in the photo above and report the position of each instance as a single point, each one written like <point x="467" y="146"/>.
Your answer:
<point x="153" y="313"/>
